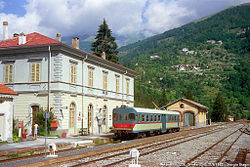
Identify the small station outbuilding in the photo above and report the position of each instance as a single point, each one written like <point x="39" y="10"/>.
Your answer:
<point x="6" y="112"/>
<point x="192" y="113"/>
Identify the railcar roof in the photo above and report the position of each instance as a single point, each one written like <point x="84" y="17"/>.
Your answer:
<point x="148" y="110"/>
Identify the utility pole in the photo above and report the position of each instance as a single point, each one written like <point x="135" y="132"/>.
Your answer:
<point x="48" y="104"/>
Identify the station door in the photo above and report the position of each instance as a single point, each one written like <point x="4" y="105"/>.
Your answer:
<point x="188" y="119"/>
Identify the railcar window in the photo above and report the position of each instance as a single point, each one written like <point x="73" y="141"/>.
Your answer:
<point x="137" y="117"/>
<point x="143" y="117"/>
<point x="131" y="116"/>
<point x="147" y="117"/>
<point x="125" y="117"/>
<point x="152" y="118"/>
<point x="159" y="117"/>
<point x="155" y="118"/>
<point x="120" y="117"/>
<point x="115" y="116"/>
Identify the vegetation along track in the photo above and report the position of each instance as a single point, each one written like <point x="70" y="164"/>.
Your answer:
<point x="119" y="156"/>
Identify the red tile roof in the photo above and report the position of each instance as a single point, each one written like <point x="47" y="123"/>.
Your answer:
<point x="31" y="39"/>
<point x="6" y="90"/>
<point x="195" y="103"/>
<point x="244" y="120"/>
<point x="39" y="39"/>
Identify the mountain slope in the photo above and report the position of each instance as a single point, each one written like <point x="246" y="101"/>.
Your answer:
<point x="204" y="56"/>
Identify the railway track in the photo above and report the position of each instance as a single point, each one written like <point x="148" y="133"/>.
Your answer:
<point x="91" y="153"/>
<point x="116" y="158"/>
<point x="211" y="156"/>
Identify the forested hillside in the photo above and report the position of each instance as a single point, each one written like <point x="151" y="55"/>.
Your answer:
<point x="196" y="60"/>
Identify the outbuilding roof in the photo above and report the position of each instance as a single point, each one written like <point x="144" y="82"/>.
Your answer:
<point x="6" y="90"/>
<point x="188" y="101"/>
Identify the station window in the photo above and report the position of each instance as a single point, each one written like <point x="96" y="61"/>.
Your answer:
<point x="131" y="116"/>
<point x="125" y="117"/>
<point x="143" y="117"/>
<point x="147" y="118"/>
<point x="120" y="117"/>
<point x="115" y="116"/>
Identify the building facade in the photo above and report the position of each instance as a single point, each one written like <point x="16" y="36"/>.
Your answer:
<point x="83" y="89"/>
<point x="6" y="112"/>
<point x="192" y="113"/>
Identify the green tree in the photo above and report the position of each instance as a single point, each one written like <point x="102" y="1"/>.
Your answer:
<point x="189" y="94"/>
<point x="105" y="42"/>
<point x="163" y="100"/>
<point x="40" y="120"/>
<point x="219" y="109"/>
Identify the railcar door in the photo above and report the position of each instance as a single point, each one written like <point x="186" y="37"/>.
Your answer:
<point x="163" y="120"/>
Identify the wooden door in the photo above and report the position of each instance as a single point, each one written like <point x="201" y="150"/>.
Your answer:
<point x="72" y="110"/>
<point x="90" y="111"/>
<point x="188" y="119"/>
<point x="35" y="110"/>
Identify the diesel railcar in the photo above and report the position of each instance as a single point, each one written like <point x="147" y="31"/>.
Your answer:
<point x="130" y="121"/>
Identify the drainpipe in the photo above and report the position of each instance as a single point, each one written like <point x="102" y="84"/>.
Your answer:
<point x="123" y="84"/>
<point x="82" y="88"/>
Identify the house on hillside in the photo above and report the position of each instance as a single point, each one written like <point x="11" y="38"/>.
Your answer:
<point x="6" y="112"/>
<point x="83" y="88"/>
<point x="192" y="113"/>
<point x="230" y="118"/>
<point x="182" y="67"/>
<point x="153" y="57"/>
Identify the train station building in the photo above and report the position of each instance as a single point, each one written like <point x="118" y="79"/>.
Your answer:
<point x="82" y="89"/>
<point x="192" y="113"/>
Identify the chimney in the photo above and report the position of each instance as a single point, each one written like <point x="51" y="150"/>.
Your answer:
<point x="75" y="42"/>
<point x="59" y="37"/>
<point x="21" y="39"/>
<point x="103" y="55"/>
<point x="5" y="30"/>
<point x="15" y="35"/>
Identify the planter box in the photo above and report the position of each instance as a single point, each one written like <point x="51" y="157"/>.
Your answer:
<point x="54" y="124"/>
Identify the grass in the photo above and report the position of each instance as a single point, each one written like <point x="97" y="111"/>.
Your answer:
<point x="3" y="142"/>
<point x="105" y="141"/>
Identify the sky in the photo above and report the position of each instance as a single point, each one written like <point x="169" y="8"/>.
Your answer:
<point x="124" y="17"/>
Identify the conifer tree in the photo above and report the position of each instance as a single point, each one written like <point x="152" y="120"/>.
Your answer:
<point x="105" y="42"/>
<point x="219" y="109"/>
<point x="189" y="94"/>
<point x="163" y="99"/>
